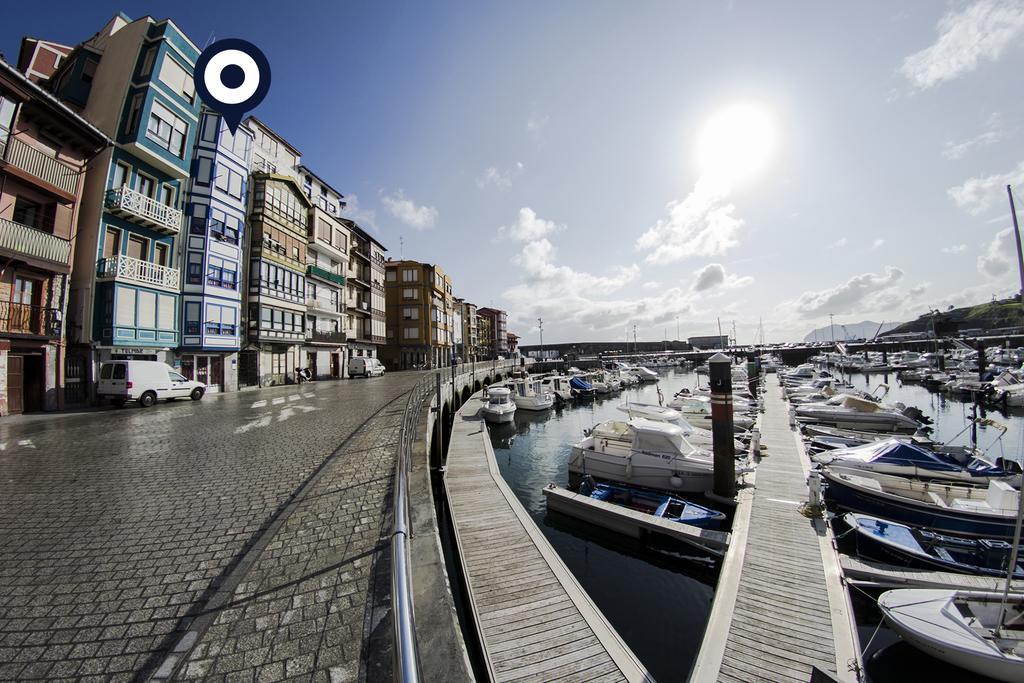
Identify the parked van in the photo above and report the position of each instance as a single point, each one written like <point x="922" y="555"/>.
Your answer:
<point x="364" y="366"/>
<point x="144" y="381"/>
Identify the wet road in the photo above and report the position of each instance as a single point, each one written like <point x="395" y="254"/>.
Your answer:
<point x="241" y="531"/>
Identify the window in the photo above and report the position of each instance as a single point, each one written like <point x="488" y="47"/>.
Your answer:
<point x="111" y="242"/>
<point x="339" y="239"/>
<point x="410" y="275"/>
<point x="235" y="185"/>
<point x="192" y="317"/>
<point x="165" y="312"/>
<point x="167" y="130"/>
<point x="221" y="273"/>
<point x="223" y="227"/>
<point x="146" y="185"/>
<point x="7" y="108"/>
<point x="177" y="79"/>
<point x="408" y="293"/>
<point x="323" y="230"/>
<point x="211" y="124"/>
<point x="203" y="172"/>
<point x="138" y="247"/>
<point x="167" y="195"/>
<point x="197" y="225"/>
<point x="147" y="62"/>
<point x="27" y="212"/>
<point x="194" y="269"/>
<point x="125" y="307"/>
<point x="131" y="124"/>
<point x="410" y="313"/>
<point x="410" y="333"/>
<point x="160" y="254"/>
<point x="221" y="320"/>
<point x="88" y="71"/>
<point x="241" y="144"/>
<point x="122" y="172"/>
<point x="391" y="275"/>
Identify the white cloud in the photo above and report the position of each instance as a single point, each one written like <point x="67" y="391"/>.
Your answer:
<point x="976" y="195"/>
<point x="868" y="291"/>
<point x="713" y="276"/>
<point x="355" y="212"/>
<point x="650" y="284"/>
<point x="1000" y="257"/>
<point x="499" y="179"/>
<point x="703" y="224"/>
<point x="536" y="123"/>
<point x="955" y="249"/>
<point x="877" y="243"/>
<point x="528" y="227"/>
<point x="968" y="36"/>
<point x="994" y="133"/>
<point x="407" y="211"/>
<point x="839" y="243"/>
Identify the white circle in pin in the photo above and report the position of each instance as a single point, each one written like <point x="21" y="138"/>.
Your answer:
<point x="216" y="87"/>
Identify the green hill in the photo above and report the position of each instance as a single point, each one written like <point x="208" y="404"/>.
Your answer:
<point x="988" y="316"/>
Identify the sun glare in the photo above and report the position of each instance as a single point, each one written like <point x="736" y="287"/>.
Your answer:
<point x="737" y="142"/>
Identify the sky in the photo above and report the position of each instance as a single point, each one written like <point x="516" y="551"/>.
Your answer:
<point x="663" y="165"/>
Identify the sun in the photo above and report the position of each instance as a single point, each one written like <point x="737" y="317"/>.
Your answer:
<point x="737" y="142"/>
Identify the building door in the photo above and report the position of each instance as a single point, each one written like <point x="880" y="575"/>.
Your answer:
<point x="203" y="369"/>
<point x="217" y="372"/>
<point x="34" y="382"/>
<point x="248" y="368"/>
<point x="311" y="363"/>
<point x="15" y="386"/>
<point x="74" y="380"/>
<point x="335" y="365"/>
<point x="24" y="305"/>
<point x="137" y="247"/>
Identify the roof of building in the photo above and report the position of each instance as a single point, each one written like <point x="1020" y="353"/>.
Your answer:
<point x="277" y="135"/>
<point x="54" y="104"/>
<point x="308" y="171"/>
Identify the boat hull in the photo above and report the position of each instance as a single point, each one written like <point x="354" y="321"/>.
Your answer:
<point x="498" y="418"/>
<point x="653" y="472"/>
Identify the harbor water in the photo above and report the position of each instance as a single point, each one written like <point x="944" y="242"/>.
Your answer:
<point x="658" y="599"/>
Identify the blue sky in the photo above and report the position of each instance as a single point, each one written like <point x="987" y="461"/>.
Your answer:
<point x="546" y="154"/>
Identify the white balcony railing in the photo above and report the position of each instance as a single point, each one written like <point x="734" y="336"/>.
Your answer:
<point x="144" y="210"/>
<point x="41" y="165"/>
<point x="135" y="270"/>
<point x="21" y="239"/>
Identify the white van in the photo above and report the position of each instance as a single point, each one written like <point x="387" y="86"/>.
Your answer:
<point x="144" y="381"/>
<point x="364" y="366"/>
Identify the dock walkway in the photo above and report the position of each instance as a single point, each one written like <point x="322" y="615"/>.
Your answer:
<point x="534" y="620"/>
<point x="780" y="610"/>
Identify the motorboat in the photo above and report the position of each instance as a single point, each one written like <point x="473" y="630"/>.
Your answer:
<point x="894" y="456"/>
<point x="499" y="407"/>
<point x="558" y="386"/>
<point x="580" y="388"/>
<point x="962" y="510"/>
<point x="1008" y="390"/>
<point x="697" y="410"/>
<point x="698" y="436"/>
<point x="530" y="395"/>
<point x="653" y="503"/>
<point x="977" y="631"/>
<point x="644" y="453"/>
<point x="908" y="546"/>
<point x="853" y="412"/>
<point x="643" y="374"/>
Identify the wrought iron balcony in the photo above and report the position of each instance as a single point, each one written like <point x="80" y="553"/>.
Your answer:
<point x="138" y="208"/>
<point x="29" y="320"/>
<point x="41" y="165"/>
<point x="326" y="337"/>
<point x="20" y="239"/>
<point x="128" y="269"/>
<point x="323" y="274"/>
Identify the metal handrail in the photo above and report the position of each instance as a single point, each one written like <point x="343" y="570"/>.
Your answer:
<point x="407" y="663"/>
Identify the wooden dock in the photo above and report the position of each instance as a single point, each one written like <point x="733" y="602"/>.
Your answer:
<point x="780" y="609"/>
<point x="533" y="619"/>
<point x="867" y="573"/>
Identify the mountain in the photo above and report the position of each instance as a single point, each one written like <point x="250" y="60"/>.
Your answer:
<point x="844" y="331"/>
<point x="979" y="319"/>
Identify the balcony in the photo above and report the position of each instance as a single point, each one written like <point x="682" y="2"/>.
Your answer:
<point x="323" y="274"/>
<point x="326" y="337"/>
<point x="35" y="321"/>
<point x="361" y="251"/>
<point x="41" y="166"/>
<point x="138" y="208"/>
<point x="359" y="306"/>
<point x="128" y="269"/>
<point x="323" y="306"/>
<point x="22" y="240"/>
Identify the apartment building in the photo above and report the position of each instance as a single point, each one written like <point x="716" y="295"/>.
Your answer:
<point x="44" y="148"/>
<point x="328" y="248"/>
<point x="419" y="298"/>
<point x="133" y="81"/>
<point x="365" y="294"/>
<point x="458" y="341"/>
<point x="496" y="341"/>
<point x="484" y="341"/>
<point x="470" y="331"/>
<point x="213" y="254"/>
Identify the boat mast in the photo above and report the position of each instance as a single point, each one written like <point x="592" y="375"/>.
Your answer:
<point x="1016" y="237"/>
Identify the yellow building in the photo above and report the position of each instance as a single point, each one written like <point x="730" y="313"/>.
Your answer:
<point x="420" y="311"/>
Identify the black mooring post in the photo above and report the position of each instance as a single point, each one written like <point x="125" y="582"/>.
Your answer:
<point x="722" y="435"/>
<point x="981" y="361"/>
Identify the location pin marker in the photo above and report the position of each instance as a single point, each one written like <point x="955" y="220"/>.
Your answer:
<point x="232" y="77"/>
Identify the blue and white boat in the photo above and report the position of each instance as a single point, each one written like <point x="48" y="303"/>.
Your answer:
<point x="653" y="503"/>
<point x="901" y="457"/>
<point x="972" y="511"/>
<point x="925" y="549"/>
<point x="581" y="388"/>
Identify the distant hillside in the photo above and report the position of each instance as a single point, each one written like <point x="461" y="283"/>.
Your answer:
<point x="987" y="316"/>
<point x="845" y="331"/>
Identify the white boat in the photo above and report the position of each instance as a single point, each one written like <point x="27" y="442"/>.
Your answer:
<point x="529" y="395"/>
<point x="643" y="453"/>
<point x="558" y="386"/>
<point x="697" y="409"/>
<point x="698" y="436"/>
<point x="499" y="407"/>
<point x="852" y="412"/>
<point x="959" y="627"/>
<point x="1008" y="389"/>
<point x="643" y="374"/>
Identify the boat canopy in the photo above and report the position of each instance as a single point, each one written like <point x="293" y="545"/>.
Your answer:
<point x="661" y="437"/>
<point x="904" y="453"/>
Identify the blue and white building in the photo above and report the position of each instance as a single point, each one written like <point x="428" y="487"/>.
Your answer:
<point x="212" y="253"/>
<point x="133" y="81"/>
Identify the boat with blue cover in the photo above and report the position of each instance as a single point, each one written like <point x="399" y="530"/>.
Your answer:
<point x="901" y="457"/>
<point x="581" y="388"/>
<point x="653" y="503"/>
<point x="909" y="546"/>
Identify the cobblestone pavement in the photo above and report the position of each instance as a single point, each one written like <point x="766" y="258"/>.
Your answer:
<point x="240" y="531"/>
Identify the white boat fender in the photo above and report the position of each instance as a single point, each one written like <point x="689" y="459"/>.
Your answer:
<point x="675" y="481"/>
<point x="814" y="489"/>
